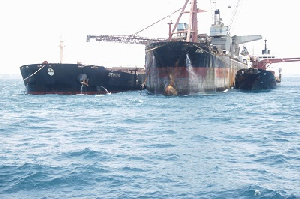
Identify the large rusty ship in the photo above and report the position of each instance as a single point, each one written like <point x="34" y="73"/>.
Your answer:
<point x="189" y="63"/>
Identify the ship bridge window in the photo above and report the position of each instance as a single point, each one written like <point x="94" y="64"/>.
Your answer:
<point x="267" y="57"/>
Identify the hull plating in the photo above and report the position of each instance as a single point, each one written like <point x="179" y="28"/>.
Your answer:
<point x="181" y="68"/>
<point x="255" y="79"/>
<point x="78" y="79"/>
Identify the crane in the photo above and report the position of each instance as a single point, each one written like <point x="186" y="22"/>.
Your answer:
<point x="234" y="14"/>
<point x="131" y="39"/>
<point x="128" y="39"/>
<point x="191" y="32"/>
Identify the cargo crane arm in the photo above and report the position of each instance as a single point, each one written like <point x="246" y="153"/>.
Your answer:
<point x="131" y="39"/>
<point x="191" y="32"/>
<point x="278" y="60"/>
<point x="128" y="39"/>
<point x="266" y="62"/>
<point x="234" y="14"/>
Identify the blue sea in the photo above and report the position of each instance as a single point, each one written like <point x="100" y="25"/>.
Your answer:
<point x="134" y="145"/>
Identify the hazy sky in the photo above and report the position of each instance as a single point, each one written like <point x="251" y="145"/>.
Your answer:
<point x="31" y="29"/>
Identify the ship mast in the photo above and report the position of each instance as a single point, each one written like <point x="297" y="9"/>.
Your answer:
<point x="192" y="30"/>
<point x="178" y="19"/>
<point x="61" y="46"/>
<point x="193" y="24"/>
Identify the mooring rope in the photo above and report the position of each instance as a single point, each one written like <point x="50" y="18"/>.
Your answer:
<point x="34" y="73"/>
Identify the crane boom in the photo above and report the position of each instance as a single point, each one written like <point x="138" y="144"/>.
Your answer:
<point x="278" y="60"/>
<point x="234" y="14"/>
<point x="128" y="39"/>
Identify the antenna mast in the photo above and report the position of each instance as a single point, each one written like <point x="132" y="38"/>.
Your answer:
<point x="61" y="46"/>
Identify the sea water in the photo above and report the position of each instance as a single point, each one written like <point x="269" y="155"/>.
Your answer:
<point x="134" y="145"/>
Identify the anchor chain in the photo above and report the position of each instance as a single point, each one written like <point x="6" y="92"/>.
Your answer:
<point x="34" y="73"/>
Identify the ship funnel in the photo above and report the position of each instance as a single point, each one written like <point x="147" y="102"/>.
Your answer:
<point x="265" y="51"/>
<point x="218" y="29"/>
<point x="218" y="20"/>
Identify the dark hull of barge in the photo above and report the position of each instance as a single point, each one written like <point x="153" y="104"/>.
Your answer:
<point x="255" y="79"/>
<point x="71" y="79"/>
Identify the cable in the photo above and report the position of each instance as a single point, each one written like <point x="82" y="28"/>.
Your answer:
<point x="157" y="22"/>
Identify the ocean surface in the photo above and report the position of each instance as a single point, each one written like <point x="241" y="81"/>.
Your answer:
<point x="134" y="145"/>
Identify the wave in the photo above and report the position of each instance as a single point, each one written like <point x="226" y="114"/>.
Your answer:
<point x="86" y="153"/>
<point x="249" y="192"/>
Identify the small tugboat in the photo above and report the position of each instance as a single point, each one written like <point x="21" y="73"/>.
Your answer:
<point x="260" y="75"/>
<point x="62" y="78"/>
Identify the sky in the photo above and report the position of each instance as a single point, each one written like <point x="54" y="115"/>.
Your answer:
<point x="31" y="30"/>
